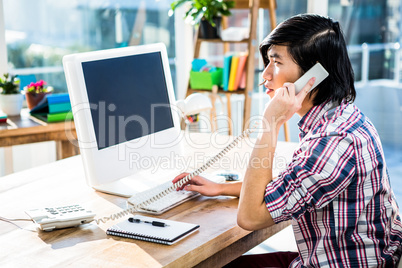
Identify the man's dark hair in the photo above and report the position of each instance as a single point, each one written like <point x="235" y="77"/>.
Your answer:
<point x="311" y="38"/>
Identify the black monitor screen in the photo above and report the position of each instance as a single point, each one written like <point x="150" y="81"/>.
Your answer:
<point x="128" y="97"/>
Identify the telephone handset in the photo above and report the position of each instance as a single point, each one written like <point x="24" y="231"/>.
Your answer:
<point x="316" y="71"/>
<point x="181" y="182"/>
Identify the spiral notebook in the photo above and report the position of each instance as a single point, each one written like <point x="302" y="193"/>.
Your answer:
<point x="168" y="235"/>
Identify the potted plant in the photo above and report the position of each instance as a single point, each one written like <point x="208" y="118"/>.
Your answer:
<point x="10" y="96"/>
<point x="35" y="92"/>
<point x="206" y="13"/>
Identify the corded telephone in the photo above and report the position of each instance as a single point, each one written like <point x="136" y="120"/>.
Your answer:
<point x="317" y="71"/>
<point x="52" y="218"/>
<point x="49" y="223"/>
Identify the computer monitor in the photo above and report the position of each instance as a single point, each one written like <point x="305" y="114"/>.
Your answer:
<point x="124" y="113"/>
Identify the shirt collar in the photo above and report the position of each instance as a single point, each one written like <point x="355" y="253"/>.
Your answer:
<point x="310" y="119"/>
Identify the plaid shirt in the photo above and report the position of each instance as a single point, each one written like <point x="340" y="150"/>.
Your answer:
<point x="337" y="192"/>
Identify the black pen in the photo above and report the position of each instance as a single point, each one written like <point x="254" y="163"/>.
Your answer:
<point x="154" y="223"/>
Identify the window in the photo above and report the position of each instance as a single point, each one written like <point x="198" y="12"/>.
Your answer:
<point x="39" y="33"/>
<point x="374" y="23"/>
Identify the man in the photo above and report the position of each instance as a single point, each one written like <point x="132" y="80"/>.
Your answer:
<point x="336" y="190"/>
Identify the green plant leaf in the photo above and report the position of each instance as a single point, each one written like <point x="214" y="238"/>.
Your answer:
<point x="178" y="3"/>
<point x="9" y="84"/>
<point x="204" y="9"/>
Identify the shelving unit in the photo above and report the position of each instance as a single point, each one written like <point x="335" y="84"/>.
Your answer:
<point x="251" y="44"/>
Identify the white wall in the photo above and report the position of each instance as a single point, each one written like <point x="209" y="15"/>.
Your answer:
<point x="27" y="156"/>
<point x="318" y="7"/>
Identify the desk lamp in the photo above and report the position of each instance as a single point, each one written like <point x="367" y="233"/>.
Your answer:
<point x="192" y="106"/>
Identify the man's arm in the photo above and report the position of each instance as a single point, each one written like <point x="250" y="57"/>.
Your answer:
<point x="253" y="214"/>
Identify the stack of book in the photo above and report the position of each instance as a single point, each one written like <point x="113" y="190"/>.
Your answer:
<point x="234" y="71"/>
<point x="3" y="117"/>
<point x="53" y="108"/>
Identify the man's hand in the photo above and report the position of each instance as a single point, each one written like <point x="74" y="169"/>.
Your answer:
<point x="285" y="103"/>
<point x="199" y="184"/>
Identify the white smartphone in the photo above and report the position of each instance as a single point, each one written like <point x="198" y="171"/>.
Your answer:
<point x="316" y="71"/>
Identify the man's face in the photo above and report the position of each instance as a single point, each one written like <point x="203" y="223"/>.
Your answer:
<point x="281" y="69"/>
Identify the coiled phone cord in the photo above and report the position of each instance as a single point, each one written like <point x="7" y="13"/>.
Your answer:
<point x="180" y="183"/>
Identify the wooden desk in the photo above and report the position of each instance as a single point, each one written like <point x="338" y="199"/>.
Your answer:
<point x="23" y="129"/>
<point x="218" y="241"/>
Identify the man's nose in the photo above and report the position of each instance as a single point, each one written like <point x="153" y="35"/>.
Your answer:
<point x="267" y="73"/>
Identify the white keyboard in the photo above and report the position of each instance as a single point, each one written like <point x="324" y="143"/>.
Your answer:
<point x="168" y="201"/>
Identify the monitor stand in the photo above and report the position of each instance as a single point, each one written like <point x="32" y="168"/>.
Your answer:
<point x="118" y="188"/>
<point x="138" y="182"/>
